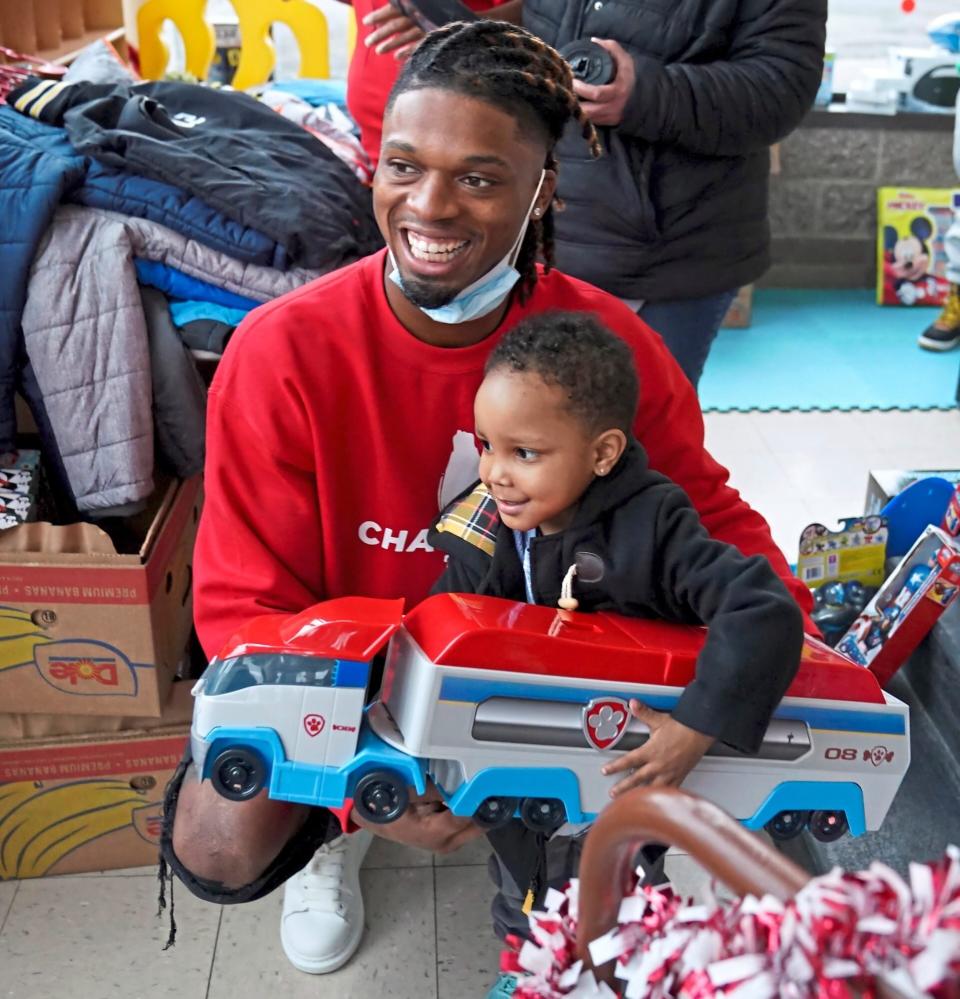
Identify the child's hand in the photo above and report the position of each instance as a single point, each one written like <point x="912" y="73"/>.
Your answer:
<point x="670" y="753"/>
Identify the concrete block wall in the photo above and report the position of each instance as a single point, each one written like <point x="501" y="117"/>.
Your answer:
<point x="823" y="204"/>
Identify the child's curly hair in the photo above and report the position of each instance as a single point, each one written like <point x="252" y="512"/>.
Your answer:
<point x="593" y="366"/>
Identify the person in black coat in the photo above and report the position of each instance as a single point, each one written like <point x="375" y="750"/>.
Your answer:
<point x="673" y="218"/>
<point x="568" y="512"/>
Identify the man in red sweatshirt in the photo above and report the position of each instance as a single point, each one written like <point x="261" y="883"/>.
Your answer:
<point x="341" y="420"/>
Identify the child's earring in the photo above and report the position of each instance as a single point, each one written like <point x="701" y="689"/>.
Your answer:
<point x="537" y="213"/>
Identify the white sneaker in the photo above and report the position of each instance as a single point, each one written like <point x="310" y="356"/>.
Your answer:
<point x="322" y="922"/>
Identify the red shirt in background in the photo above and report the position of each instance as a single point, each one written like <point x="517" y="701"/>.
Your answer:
<point x="371" y="76"/>
<point x="334" y="436"/>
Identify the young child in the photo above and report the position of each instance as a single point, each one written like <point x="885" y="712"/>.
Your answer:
<point x="568" y="513"/>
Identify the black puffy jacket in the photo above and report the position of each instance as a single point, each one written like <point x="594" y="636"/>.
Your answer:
<point x="677" y="206"/>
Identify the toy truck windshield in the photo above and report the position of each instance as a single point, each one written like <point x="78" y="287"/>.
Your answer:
<point x="229" y="675"/>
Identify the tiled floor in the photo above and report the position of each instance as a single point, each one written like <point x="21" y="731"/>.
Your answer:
<point x="96" y="937"/>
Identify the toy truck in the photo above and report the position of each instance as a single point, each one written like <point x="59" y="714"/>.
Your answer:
<point x="511" y="709"/>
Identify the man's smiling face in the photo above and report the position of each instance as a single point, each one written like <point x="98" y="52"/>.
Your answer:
<point x="451" y="192"/>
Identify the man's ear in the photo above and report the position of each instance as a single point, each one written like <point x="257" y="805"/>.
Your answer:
<point x="607" y="449"/>
<point x="545" y="197"/>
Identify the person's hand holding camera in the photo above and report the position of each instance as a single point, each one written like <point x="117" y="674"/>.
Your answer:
<point x="393" y="32"/>
<point x="605" y="104"/>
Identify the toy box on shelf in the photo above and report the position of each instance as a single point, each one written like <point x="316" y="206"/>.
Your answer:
<point x="911" y="257"/>
<point x="906" y="607"/>
<point x="885" y="483"/>
<point x="843" y="568"/>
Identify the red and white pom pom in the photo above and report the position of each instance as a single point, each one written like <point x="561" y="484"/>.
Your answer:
<point x="843" y="936"/>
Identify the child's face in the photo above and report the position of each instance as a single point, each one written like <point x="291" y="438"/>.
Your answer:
<point x="537" y="457"/>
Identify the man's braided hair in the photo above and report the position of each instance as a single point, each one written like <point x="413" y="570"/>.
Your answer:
<point x="518" y="73"/>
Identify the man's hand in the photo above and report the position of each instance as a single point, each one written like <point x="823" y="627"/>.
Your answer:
<point x="427" y="824"/>
<point x="670" y="753"/>
<point x="604" y="105"/>
<point x="394" y="32"/>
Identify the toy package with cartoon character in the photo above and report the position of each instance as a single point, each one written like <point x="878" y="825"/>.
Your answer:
<point x="843" y="569"/>
<point x="19" y="485"/>
<point x="906" y="607"/>
<point x="911" y="257"/>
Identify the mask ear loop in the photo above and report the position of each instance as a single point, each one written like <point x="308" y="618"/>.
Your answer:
<point x="515" y="250"/>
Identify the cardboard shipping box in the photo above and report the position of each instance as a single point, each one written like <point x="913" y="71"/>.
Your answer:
<point x="87" y="631"/>
<point x="88" y="803"/>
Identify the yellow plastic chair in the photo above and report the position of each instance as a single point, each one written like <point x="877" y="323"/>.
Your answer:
<point x="257" y="56"/>
<point x="198" y="39"/>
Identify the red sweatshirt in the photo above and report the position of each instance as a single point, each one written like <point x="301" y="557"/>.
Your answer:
<point x="371" y="76"/>
<point x="334" y="436"/>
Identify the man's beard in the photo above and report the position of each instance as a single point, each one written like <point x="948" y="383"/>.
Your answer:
<point x="426" y="294"/>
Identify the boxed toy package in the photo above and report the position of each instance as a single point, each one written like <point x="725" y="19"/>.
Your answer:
<point x="19" y="485"/>
<point x="906" y="607"/>
<point x="843" y="569"/>
<point x="911" y="257"/>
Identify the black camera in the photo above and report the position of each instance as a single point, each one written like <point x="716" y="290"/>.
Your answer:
<point x="590" y="62"/>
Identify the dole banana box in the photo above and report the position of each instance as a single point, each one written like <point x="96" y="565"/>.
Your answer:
<point x="88" y="803"/>
<point x="87" y="631"/>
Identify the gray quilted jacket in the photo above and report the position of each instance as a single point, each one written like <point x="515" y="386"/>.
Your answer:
<point x="86" y="337"/>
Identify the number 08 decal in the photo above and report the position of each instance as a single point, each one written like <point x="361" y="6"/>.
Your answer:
<point x="835" y="753"/>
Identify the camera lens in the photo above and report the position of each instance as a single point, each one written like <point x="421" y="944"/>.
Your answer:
<point x="590" y="62"/>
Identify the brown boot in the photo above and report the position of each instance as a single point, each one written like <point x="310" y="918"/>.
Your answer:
<point x="944" y="332"/>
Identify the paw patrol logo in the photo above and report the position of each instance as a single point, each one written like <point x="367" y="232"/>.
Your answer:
<point x="313" y="724"/>
<point x="878" y="755"/>
<point x="604" y="721"/>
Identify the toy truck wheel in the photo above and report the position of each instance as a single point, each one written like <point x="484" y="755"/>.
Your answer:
<point x="238" y="773"/>
<point x="828" y="826"/>
<point x="381" y="796"/>
<point x="542" y="815"/>
<point x="786" y="825"/>
<point x="493" y="812"/>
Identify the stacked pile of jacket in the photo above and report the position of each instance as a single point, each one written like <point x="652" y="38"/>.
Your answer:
<point x="140" y="220"/>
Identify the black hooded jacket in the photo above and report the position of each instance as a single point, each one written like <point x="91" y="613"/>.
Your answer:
<point x="641" y="550"/>
<point x="677" y="206"/>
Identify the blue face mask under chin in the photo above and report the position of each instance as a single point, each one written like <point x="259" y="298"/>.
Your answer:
<point x="486" y="293"/>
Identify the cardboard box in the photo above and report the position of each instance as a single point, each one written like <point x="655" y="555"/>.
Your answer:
<point x="883" y="484"/>
<point x="87" y="631"/>
<point x="906" y="607"/>
<point x="741" y="309"/>
<point x="911" y="255"/>
<point x="89" y="803"/>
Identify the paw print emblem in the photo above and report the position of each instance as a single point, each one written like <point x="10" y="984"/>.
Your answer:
<point x="314" y="724"/>
<point x="604" y="721"/>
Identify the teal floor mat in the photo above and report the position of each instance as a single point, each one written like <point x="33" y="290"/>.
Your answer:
<point x="823" y="350"/>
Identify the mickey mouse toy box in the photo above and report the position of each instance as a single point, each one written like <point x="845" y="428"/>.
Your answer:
<point x="911" y="257"/>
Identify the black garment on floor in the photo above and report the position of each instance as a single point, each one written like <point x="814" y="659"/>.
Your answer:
<point x="228" y="149"/>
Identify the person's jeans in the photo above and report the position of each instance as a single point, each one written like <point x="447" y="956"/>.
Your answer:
<point x="688" y="327"/>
